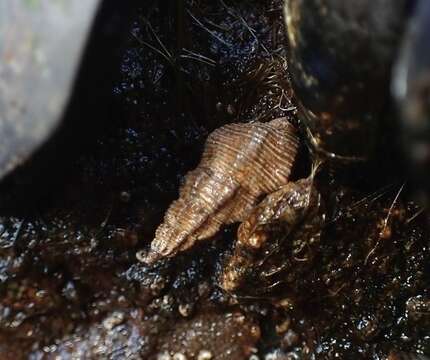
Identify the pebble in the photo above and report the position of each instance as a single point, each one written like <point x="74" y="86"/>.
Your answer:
<point x="164" y="356"/>
<point x="185" y="309"/>
<point x="204" y="355"/>
<point x="179" y="356"/>
<point x="113" y="320"/>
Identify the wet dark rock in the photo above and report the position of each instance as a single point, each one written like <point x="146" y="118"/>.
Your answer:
<point x="126" y="335"/>
<point x="225" y="336"/>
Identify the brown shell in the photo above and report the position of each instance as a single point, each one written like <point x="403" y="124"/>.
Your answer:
<point x="285" y="215"/>
<point x="240" y="163"/>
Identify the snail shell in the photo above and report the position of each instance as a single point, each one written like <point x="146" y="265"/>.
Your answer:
<point x="291" y="213"/>
<point x="240" y="163"/>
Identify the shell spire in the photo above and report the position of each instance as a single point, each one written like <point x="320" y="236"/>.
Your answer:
<point x="240" y="163"/>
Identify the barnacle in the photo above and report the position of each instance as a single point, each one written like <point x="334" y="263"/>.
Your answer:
<point x="240" y="163"/>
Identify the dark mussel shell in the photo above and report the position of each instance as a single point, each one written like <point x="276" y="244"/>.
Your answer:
<point x="340" y="59"/>
<point x="411" y="89"/>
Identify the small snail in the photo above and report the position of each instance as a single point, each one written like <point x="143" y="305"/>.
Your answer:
<point x="241" y="163"/>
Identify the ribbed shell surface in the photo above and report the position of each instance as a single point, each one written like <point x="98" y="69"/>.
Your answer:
<point x="240" y="163"/>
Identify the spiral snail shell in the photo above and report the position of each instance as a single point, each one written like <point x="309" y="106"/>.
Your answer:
<point x="240" y="163"/>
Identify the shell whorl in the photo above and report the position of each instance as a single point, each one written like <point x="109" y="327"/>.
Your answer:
<point x="240" y="163"/>
<point x="281" y="214"/>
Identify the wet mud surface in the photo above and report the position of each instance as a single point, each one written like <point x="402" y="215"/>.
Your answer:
<point x="70" y="284"/>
